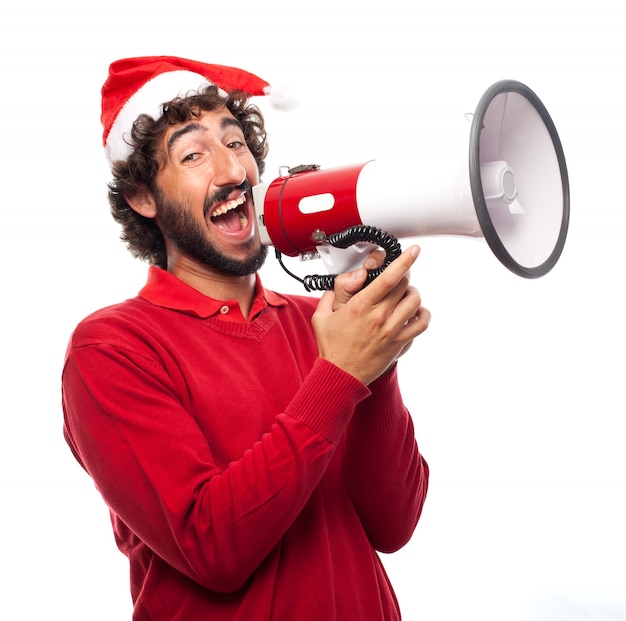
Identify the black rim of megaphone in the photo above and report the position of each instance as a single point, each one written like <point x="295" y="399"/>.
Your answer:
<point x="484" y="219"/>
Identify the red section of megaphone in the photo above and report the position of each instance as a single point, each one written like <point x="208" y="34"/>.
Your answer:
<point x="303" y="207"/>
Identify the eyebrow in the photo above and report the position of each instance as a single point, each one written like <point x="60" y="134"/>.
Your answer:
<point x="226" y="122"/>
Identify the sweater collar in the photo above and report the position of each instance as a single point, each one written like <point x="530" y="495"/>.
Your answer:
<point x="166" y="290"/>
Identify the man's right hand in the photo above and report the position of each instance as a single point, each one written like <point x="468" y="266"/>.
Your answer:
<point x="365" y="333"/>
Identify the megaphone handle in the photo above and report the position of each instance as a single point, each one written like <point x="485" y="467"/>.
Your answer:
<point x="349" y="237"/>
<point x="372" y="235"/>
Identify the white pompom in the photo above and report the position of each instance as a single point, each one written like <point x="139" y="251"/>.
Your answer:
<point x="282" y="97"/>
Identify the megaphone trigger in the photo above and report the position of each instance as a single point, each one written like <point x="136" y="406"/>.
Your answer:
<point x="368" y="238"/>
<point x="359" y="240"/>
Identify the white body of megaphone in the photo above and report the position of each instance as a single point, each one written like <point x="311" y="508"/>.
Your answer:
<point x="509" y="187"/>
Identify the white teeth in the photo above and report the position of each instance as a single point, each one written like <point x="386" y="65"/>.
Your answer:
<point x="222" y="209"/>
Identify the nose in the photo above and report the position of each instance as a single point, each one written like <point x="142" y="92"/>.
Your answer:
<point x="228" y="168"/>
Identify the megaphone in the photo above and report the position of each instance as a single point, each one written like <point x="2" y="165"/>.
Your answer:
<point x="510" y="187"/>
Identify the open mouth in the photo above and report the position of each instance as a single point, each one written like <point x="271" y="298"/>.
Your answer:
<point x="231" y="216"/>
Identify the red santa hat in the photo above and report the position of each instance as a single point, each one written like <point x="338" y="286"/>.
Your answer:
<point x="141" y="85"/>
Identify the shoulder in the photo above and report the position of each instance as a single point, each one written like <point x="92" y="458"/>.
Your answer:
<point x="112" y="324"/>
<point x="299" y="304"/>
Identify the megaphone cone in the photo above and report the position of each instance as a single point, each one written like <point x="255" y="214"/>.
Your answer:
<point x="510" y="188"/>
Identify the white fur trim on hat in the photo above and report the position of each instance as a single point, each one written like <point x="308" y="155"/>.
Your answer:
<point x="281" y="97"/>
<point x="148" y="100"/>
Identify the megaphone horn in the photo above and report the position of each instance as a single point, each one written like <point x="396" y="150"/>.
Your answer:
<point x="511" y="188"/>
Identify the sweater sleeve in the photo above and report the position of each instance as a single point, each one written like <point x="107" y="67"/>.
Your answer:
<point x="386" y="475"/>
<point x="154" y="467"/>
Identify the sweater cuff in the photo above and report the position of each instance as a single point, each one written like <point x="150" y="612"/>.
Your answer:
<point x="384" y="408"/>
<point x="327" y="399"/>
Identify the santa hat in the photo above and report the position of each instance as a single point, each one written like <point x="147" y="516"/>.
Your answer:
<point x="141" y="85"/>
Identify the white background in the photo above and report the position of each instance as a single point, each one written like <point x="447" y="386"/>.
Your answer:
<point x="517" y="388"/>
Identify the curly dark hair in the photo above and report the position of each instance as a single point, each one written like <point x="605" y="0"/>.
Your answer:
<point x="142" y="235"/>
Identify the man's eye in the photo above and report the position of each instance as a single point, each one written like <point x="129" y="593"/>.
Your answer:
<point x="236" y="144"/>
<point x="190" y="157"/>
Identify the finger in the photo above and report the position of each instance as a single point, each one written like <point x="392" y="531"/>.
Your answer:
<point x="346" y="285"/>
<point x="349" y="283"/>
<point x="417" y="324"/>
<point x="406" y="308"/>
<point x="325" y="304"/>
<point x="390" y="277"/>
<point x="374" y="259"/>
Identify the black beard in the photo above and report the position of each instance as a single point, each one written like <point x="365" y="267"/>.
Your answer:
<point x="179" y="226"/>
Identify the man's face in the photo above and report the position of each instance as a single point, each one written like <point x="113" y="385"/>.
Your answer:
<point x="203" y="199"/>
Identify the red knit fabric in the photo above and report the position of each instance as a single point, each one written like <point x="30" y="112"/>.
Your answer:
<point x="246" y="478"/>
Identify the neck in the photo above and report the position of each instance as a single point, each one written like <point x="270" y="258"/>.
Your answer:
<point x="215" y="284"/>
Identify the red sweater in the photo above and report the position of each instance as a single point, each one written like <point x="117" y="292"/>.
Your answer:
<point x="247" y="478"/>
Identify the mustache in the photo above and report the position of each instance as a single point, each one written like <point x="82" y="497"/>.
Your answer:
<point x="223" y="193"/>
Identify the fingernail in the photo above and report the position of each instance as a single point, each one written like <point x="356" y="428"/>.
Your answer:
<point x="415" y="250"/>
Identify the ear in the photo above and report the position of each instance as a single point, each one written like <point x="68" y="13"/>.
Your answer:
<point x="142" y="202"/>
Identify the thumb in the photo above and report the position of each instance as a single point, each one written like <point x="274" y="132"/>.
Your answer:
<point x="347" y="284"/>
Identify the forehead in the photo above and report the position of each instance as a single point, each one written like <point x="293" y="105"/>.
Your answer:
<point x="210" y="122"/>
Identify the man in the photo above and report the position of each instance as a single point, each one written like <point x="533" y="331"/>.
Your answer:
<point x="253" y="448"/>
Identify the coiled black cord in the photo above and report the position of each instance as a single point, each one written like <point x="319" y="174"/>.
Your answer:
<point x="345" y="239"/>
